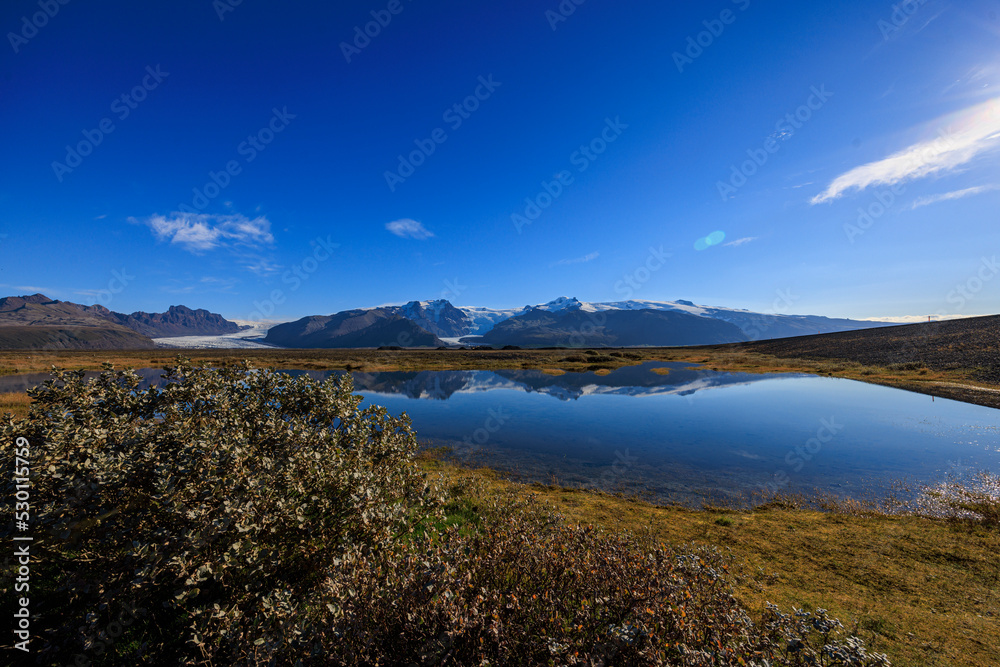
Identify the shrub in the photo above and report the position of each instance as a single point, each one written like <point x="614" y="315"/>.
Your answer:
<point x="216" y="502"/>
<point x="528" y="589"/>
<point x="254" y="518"/>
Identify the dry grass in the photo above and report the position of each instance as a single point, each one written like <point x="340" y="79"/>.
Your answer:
<point x="16" y="402"/>
<point x="925" y="591"/>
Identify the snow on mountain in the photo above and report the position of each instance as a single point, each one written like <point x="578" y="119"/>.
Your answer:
<point x="442" y="318"/>
<point x="250" y="337"/>
<point x="484" y="319"/>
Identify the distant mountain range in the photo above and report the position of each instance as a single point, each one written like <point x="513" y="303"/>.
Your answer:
<point x="563" y="322"/>
<point x="38" y="322"/>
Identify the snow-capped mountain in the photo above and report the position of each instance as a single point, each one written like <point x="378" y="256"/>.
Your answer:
<point x="755" y="326"/>
<point x="565" y="321"/>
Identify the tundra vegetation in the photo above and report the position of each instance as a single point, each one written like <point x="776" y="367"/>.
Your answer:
<point x="243" y="516"/>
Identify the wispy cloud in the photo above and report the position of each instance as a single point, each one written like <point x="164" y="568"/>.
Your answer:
<point x="201" y="232"/>
<point x="957" y="194"/>
<point x="915" y="319"/>
<point x="409" y="229"/>
<point x="206" y="284"/>
<point x="577" y="260"/>
<point x="739" y="242"/>
<point x="27" y="290"/>
<point x="977" y="131"/>
<point x="260" y="265"/>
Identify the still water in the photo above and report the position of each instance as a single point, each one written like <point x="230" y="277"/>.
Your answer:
<point x="672" y="432"/>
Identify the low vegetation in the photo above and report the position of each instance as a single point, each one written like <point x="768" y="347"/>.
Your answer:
<point x="246" y="517"/>
<point x="954" y="360"/>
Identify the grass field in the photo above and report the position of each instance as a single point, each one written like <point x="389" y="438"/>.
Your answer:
<point x="925" y="591"/>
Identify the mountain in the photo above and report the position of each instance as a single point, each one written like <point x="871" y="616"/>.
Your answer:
<point x="373" y="327"/>
<point x="437" y="317"/>
<point x="574" y="327"/>
<point x="38" y="322"/>
<point x="177" y="321"/>
<point x="756" y="326"/>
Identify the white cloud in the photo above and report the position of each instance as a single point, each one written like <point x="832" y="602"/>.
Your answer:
<point x="977" y="131"/>
<point x="957" y="194"/>
<point x="199" y="232"/>
<point x="409" y="229"/>
<point x="916" y="319"/>
<point x="577" y="260"/>
<point x="739" y="242"/>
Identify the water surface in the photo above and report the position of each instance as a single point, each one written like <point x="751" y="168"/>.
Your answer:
<point x="677" y="433"/>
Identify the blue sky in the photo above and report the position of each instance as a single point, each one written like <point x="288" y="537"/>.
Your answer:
<point x="270" y="159"/>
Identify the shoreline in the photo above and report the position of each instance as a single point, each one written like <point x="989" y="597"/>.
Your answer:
<point x="955" y="383"/>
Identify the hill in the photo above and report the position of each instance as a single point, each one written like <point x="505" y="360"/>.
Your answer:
<point x="38" y="322"/>
<point x="578" y="328"/>
<point x="375" y="327"/>
<point x="972" y="342"/>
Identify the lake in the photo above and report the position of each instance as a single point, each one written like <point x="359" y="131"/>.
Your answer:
<point x="673" y="432"/>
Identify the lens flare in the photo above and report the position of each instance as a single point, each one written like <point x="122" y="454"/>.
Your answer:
<point x="706" y="242"/>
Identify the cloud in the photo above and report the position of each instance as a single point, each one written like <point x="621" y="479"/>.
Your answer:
<point x="957" y="194"/>
<point x="577" y="260"/>
<point x="976" y="131"/>
<point x="739" y="242"/>
<point x="916" y="319"/>
<point x="409" y="229"/>
<point x="28" y="290"/>
<point x="200" y="232"/>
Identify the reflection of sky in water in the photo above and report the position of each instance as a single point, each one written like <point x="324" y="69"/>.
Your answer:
<point x="685" y="433"/>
